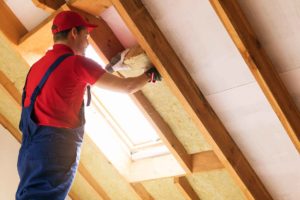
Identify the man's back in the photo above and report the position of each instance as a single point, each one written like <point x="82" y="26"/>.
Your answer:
<point x="60" y="100"/>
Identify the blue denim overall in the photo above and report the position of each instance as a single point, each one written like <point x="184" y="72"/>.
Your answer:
<point x="49" y="156"/>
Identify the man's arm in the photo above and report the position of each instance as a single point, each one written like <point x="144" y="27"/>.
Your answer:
<point x="118" y="84"/>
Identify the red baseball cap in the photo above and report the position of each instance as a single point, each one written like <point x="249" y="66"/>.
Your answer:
<point x="68" y="19"/>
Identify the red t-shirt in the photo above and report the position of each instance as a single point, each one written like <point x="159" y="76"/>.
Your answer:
<point x="60" y="100"/>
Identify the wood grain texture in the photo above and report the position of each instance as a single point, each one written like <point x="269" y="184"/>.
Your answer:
<point x="260" y="65"/>
<point x="143" y="193"/>
<point x="10" y="25"/>
<point x="185" y="89"/>
<point x="164" y="131"/>
<point x="10" y="88"/>
<point x="49" y="5"/>
<point x="206" y="161"/>
<point x="93" y="7"/>
<point x="13" y="131"/>
<point x="185" y="188"/>
<point x="88" y="176"/>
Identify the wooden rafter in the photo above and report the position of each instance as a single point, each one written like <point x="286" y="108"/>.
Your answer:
<point x="205" y="161"/>
<point x="49" y="5"/>
<point x="87" y="175"/>
<point x="141" y="191"/>
<point x="185" y="188"/>
<point x="10" y="25"/>
<point x="8" y="125"/>
<point x="185" y="89"/>
<point x="164" y="131"/>
<point x="260" y="65"/>
<point x="93" y="7"/>
<point x="73" y="195"/>
<point x="10" y="87"/>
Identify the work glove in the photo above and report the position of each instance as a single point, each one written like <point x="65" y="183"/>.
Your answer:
<point x="153" y="74"/>
<point x="117" y="62"/>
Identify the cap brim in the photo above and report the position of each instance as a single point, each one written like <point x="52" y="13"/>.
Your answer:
<point x="90" y="27"/>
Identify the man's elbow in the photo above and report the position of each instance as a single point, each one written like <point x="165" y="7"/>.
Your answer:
<point x="130" y="89"/>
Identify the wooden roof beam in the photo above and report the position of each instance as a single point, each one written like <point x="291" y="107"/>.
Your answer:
<point x="185" y="89"/>
<point x="8" y="126"/>
<point x="185" y="188"/>
<point x="91" y="180"/>
<point x="260" y="65"/>
<point x="93" y="7"/>
<point x="48" y="5"/>
<point x="141" y="191"/>
<point x="11" y="88"/>
<point x="10" y="25"/>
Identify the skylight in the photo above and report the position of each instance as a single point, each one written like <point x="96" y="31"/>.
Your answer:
<point x="116" y="114"/>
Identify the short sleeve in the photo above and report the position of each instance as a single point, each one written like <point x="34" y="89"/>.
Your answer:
<point x="87" y="70"/>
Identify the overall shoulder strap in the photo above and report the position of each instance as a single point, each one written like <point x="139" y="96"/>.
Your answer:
<point x="46" y="76"/>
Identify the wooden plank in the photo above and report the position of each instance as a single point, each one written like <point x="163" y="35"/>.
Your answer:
<point x="206" y="161"/>
<point x="10" y="87"/>
<point x="49" y="5"/>
<point x="92" y="182"/>
<point x="10" y="25"/>
<point x="93" y="7"/>
<point x="8" y="125"/>
<point x="164" y="131"/>
<point x="260" y="65"/>
<point x="141" y="191"/>
<point x="73" y="195"/>
<point x="185" y="89"/>
<point x="185" y="188"/>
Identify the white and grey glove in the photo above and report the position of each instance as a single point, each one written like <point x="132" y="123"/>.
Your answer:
<point x="117" y="62"/>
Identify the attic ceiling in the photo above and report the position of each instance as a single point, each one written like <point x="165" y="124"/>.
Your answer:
<point x="230" y="92"/>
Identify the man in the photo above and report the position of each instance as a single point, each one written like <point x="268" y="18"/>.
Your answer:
<point x="52" y="117"/>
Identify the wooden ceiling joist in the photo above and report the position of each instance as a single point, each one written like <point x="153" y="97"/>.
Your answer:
<point x="143" y="193"/>
<point x="260" y="65"/>
<point x="73" y="195"/>
<point x="185" y="188"/>
<point x="10" y="87"/>
<point x="206" y="161"/>
<point x="10" y="25"/>
<point x="49" y="5"/>
<point x="164" y="131"/>
<point x="8" y="126"/>
<point x="185" y="89"/>
<point x="85" y="173"/>
<point x="93" y="7"/>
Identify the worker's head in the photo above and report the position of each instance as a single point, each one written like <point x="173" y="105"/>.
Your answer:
<point x="71" y="29"/>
